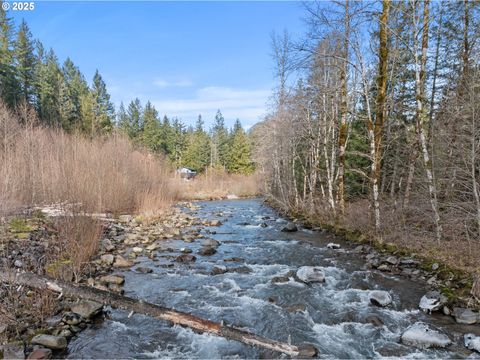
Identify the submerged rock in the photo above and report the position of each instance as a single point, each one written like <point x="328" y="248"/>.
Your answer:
<point x="472" y="342"/>
<point x="218" y="270"/>
<point x="206" y="251"/>
<point x="423" y="336"/>
<point x="380" y="298"/>
<point x="432" y="301"/>
<point x="311" y="274"/>
<point x="215" y="223"/>
<point x="143" y="270"/>
<point x="465" y="316"/>
<point x="210" y="242"/>
<point x="280" y="279"/>
<point x="291" y="227"/>
<point x="50" y="341"/>
<point x="186" y="258"/>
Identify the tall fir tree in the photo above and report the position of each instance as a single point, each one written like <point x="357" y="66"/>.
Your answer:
<point x="8" y="84"/>
<point x="103" y="107"/>
<point x="197" y="151"/>
<point x="239" y="152"/>
<point x="25" y="63"/>
<point x="151" y="128"/>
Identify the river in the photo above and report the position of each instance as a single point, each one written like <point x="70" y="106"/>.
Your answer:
<point x="333" y="316"/>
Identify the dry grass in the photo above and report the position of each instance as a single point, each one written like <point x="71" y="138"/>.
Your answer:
<point x="217" y="184"/>
<point x="43" y="166"/>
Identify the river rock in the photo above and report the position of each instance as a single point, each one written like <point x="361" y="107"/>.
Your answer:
<point x="71" y="318"/>
<point x="380" y="298"/>
<point x="87" y="309"/>
<point x="263" y="225"/>
<point x="186" y="258"/>
<point x="392" y="260"/>
<point x="423" y="336"/>
<point x="206" y="251"/>
<point x="374" y="320"/>
<point x="121" y="262"/>
<point x="143" y="270"/>
<point x="112" y="279"/>
<point x="186" y="250"/>
<point x="241" y="270"/>
<point x="218" y="270"/>
<point x="307" y="351"/>
<point x="137" y="250"/>
<point x="152" y="247"/>
<point x="50" y="341"/>
<point x="465" y="316"/>
<point x="280" y="279"/>
<point x="333" y="246"/>
<point x="210" y="242"/>
<point x="432" y="301"/>
<point x="296" y="308"/>
<point x="215" y="223"/>
<point x="472" y="342"/>
<point x="107" y="259"/>
<point x="290" y="227"/>
<point x="188" y="238"/>
<point x="41" y="353"/>
<point x="311" y="274"/>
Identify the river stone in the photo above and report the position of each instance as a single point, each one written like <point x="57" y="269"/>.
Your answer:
<point x="186" y="258"/>
<point x="50" y="341"/>
<point x="296" y="308"/>
<point x="206" y="251"/>
<point x="218" y="270"/>
<point x="307" y="351"/>
<point x="263" y="225"/>
<point x="116" y="288"/>
<point x="291" y="227"/>
<point x="421" y="335"/>
<point x="465" y="316"/>
<point x="311" y="274"/>
<point x="374" y="320"/>
<point x="137" y="249"/>
<point x="71" y="318"/>
<point x="215" y="223"/>
<point x="87" y="308"/>
<point x="188" y="238"/>
<point x="152" y="247"/>
<point x="472" y="342"/>
<point x="392" y="260"/>
<point x="112" y="279"/>
<point x="107" y="259"/>
<point x="41" y="353"/>
<point x="143" y="270"/>
<point x="280" y="279"/>
<point x="186" y="250"/>
<point x="241" y="270"/>
<point x="380" y="298"/>
<point x="333" y="246"/>
<point x="210" y="242"/>
<point x="432" y="301"/>
<point x="121" y="262"/>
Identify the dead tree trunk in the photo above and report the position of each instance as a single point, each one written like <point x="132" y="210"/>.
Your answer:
<point x="156" y="311"/>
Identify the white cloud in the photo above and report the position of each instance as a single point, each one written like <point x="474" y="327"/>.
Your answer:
<point x="247" y="105"/>
<point x="162" y="83"/>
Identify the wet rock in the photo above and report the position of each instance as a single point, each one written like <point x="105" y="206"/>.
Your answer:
<point x="188" y="238"/>
<point x="333" y="246"/>
<point x="380" y="298"/>
<point x="116" y="288"/>
<point x="290" y="227"/>
<point x="87" y="309"/>
<point x="137" y="250"/>
<point x="307" y="351"/>
<point x="71" y="318"/>
<point x="234" y="259"/>
<point x="280" y="279"/>
<point x="409" y="262"/>
<point x="465" y="316"/>
<point x="218" y="270"/>
<point x="121" y="262"/>
<point x="186" y="250"/>
<point x="206" y="251"/>
<point x="210" y="242"/>
<point x="432" y="301"/>
<point x="152" y="247"/>
<point x="186" y="258"/>
<point x="13" y="351"/>
<point x="311" y="274"/>
<point x="392" y="260"/>
<point x="435" y="266"/>
<point x="384" y="268"/>
<point x="112" y="279"/>
<point x="358" y="249"/>
<point x="143" y="270"/>
<point x="263" y="225"/>
<point x="374" y="320"/>
<point x="107" y="259"/>
<point x="41" y="353"/>
<point x="241" y="270"/>
<point x="244" y="224"/>
<point x="423" y="336"/>
<point x="50" y="341"/>
<point x="472" y="342"/>
<point x="215" y="223"/>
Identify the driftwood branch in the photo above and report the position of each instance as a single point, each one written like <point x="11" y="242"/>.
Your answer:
<point x="156" y="311"/>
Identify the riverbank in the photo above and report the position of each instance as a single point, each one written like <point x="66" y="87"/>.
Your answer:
<point x="445" y="267"/>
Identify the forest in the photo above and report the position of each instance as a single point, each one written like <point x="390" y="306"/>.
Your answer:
<point x="375" y="127"/>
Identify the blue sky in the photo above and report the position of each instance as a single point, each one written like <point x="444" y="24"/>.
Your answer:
<point x="186" y="57"/>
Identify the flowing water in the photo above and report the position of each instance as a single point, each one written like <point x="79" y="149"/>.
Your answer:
<point x="332" y="316"/>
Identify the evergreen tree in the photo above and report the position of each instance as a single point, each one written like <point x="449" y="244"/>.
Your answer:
<point x="48" y="81"/>
<point x="197" y="152"/>
<point x="73" y="89"/>
<point x="134" y="121"/>
<point x="240" y="152"/>
<point x="151" y="128"/>
<point x="25" y="63"/>
<point x="103" y="109"/>
<point x="219" y="142"/>
<point x="8" y="85"/>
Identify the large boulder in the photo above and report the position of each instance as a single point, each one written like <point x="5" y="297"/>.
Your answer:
<point x="50" y="341"/>
<point x="423" y="336"/>
<point x="465" y="316"/>
<point x="472" y="342"/>
<point x="87" y="309"/>
<point x="432" y="301"/>
<point x="311" y="274"/>
<point x="290" y="227"/>
<point x="380" y="298"/>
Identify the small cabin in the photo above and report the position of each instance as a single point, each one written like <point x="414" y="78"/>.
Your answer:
<point x="186" y="173"/>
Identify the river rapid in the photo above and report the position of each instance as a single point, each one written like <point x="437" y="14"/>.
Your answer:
<point x="335" y="316"/>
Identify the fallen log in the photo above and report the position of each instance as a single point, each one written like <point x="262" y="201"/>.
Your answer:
<point x="139" y="306"/>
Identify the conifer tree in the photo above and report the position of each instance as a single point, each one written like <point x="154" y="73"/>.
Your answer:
<point x="197" y="151"/>
<point x="103" y="108"/>
<point x="240" y="152"/>
<point x="151" y="128"/>
<point x="25" y="63"/>
<point x="219" y="142"/>
<point x="8" y="86"/>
